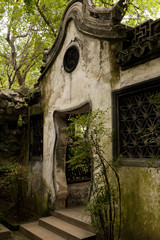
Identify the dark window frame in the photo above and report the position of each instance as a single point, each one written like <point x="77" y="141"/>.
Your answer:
<point x="71" y="58"/>
<point x="116" y="95"/>
<point x="38" y="154"/>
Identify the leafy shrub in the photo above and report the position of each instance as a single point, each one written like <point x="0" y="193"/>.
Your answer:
<point x="13" y="180"/>
<point x="93" y="142"/>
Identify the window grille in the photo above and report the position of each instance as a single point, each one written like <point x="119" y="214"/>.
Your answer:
<point x="77" y="175"/>
<point x="137" y="122"/>
<point x="71" y="59"/>
<point x="36" y="137"/>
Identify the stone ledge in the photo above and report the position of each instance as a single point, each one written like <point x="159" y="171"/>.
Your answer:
<point x="4" y="232"/>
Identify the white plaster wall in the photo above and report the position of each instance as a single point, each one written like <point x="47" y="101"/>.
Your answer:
<point x="62" y="90"/>
<point x="90" y="81"/>
<point x="139" y="73"/>
<point x="140" y="186"/>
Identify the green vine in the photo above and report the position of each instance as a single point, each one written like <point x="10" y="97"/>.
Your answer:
<point x="104" y="199"/>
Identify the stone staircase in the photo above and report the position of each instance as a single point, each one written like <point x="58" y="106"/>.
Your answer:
<point x="68" y="223"/>
<point x="4" y="232"/>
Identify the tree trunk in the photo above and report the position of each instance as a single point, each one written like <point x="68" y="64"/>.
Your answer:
<point x="21" y="80"/>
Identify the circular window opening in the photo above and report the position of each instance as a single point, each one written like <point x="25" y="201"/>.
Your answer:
<point x="71" y="59"/>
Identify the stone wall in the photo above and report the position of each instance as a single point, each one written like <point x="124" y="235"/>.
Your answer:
<point x="13" y="125"/>
<point x="65" y="92"/>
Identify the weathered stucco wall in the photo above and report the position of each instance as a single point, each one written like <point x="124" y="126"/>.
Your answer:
<point x="93" y="80"/>
<point x="140" y="185"/>
<point x="38" y="191"/>
<point x="139" y="74"/>
<point x="89" y="82"/>
<point x="140" y="203"/>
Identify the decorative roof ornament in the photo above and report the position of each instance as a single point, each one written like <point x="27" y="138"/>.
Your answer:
<point x="111" y="15"/>
<point x="98" y="22"/>
<point x="120" y="9"/>
<point x="142" y="45"/>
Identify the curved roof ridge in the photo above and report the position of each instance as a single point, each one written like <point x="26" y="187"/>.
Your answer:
<point x="97" y="22"/>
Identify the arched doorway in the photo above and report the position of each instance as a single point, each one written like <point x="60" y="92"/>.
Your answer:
<point x="70" y="190"/>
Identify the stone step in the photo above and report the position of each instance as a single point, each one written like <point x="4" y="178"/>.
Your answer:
<point x="68" y="223"/>
<point x="37" y="232"/>
<point x="4" y="232"/>
<point x="65" y="229"/>
<point x="75" y="216"/>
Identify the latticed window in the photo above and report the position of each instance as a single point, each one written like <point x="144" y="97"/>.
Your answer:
<point x="137" y="121"/>
<point x="36" y="137"/>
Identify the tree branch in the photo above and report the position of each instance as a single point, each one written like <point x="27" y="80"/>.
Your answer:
<point x="44" y="17"/>
<point x="9" y="75"/>
<point x="10" y="41"/>
<point x="26" y="70"/>
<point x="5" y="56"/>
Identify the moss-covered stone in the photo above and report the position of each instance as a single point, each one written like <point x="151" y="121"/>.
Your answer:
<point x="12" y="134"/>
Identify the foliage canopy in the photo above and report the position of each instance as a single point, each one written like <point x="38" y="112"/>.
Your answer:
<point x="137" y="12"/>
<point x="27" y="28"/>
<point x="30" y="26"/>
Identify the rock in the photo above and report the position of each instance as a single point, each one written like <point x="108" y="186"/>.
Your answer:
<point x="2" y="111"/>
<point x="12" y="135"/>
<point x="3" y="103"/>
<point x="3" y="95"/>
<point x="23" y="91"/>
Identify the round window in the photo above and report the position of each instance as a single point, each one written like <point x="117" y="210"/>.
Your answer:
<point x="71" y="59"/>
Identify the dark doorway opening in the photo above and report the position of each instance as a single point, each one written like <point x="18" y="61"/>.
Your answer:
<point x="78" y="174"/>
